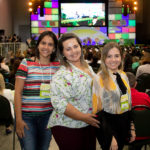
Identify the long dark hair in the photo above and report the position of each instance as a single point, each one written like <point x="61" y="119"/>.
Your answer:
<point x="53" y="36"/>
<point x="103" y="68"/>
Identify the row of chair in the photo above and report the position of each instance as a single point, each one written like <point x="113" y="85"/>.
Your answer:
<point x="141" y="116"/>
<point x="143" y="83"/>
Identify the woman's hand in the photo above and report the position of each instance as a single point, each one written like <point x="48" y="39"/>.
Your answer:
<point x="20" y="125"/>
<point x="74" y="113"/>
<point x="90" y="119"/>
<point x="133" y="136"/>
<point x="114" y="144"/>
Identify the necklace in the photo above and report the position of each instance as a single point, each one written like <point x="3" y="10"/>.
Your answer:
<point x="43" y="72"/>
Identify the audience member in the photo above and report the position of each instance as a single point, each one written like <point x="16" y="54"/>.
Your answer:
<point x="15" y="66"/>
<point x="112" y="100"/>
<point x="135" y="64"/>
<point x="138" y="98"/>
<point x="4" y="69"/>
<point x="32" y="99"/>
<point x="145" y="67"/>
<point x="6" y="106"/>
<point x="3" y="64"/>
<point x="72" y="119"/>
<point x="127" y="61"/>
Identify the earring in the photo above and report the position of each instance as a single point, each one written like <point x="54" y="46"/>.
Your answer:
<point x="64" y="57"/>
<point x="53" y="50"/>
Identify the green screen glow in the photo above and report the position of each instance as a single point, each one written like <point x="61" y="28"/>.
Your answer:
<point x="54" y="17"/>
<point x="125" y="36"/>
<point x="132" y="23"/>
<point x="54" y="11"/>
<point x="118" y="16"/>
<point x="34" y="30"/>
<point x="48" y="4"/>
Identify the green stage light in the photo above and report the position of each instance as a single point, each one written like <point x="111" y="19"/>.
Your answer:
<point x="48" y="4"/>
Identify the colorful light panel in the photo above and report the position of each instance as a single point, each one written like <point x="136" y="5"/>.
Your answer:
<point x="111" y="17"/>
<point x="34" y="24"/>
<point x="55" y="17"/>
<point x="118" y="17"/>
<point x="125" y="17"/>
<point x="124" y="22"/>
<point x="125" y="29"/>
<point x="55" y="11"/>
<point x="63" y="29"/>
<point x="34" y="30"/>
<point x="48" y="17"/>
<point x="41" y="17"/>
<point x="125" y="36"/>
<point x="48" y="4"/>
<point x="34" y="17"/>
<point x="48" y="22"/>
<point x="48" y="11"/>
<point x="54" y="4"/>
<point x="55" y="30"/>
<point x="121" y="26"/>
<point x="111" y="36"/>
<point x="132" y="36"/>
<point x="132" y="23"/>
<point x="115" y="29"/>
<point x="117" y="36"/>
<point x="131" y="29"/>
<point x="132" y="16"/>
<point x="38" y="10"/>
<point x="103" y="29"/>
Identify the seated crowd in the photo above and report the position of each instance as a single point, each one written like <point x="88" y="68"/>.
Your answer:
<point x="136" y="63"/>
<point x="12" y="38"/>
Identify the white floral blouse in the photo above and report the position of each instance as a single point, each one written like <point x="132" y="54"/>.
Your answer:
<point x="109" y="100"/>
<point x="70" y="86"/>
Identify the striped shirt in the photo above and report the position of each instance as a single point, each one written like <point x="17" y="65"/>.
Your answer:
<point x="34" y="75"/>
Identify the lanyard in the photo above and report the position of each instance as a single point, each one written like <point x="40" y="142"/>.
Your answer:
<point x="43" y="72"/>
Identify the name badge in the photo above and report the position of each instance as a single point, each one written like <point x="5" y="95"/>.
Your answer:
<point x="45" y="90"/>
<point x="124" y="102"/>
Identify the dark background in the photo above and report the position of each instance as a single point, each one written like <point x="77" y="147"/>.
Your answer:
<point x="143" y="22"/>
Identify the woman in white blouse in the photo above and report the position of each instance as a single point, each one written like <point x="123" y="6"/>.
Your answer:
<point x="71" y="96"/>
<point x="112" y="100"/>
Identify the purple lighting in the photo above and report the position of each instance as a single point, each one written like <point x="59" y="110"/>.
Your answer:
<point x="34" y="17"/>
<point x="54" y="4"/>
<point x="63" y="29"/>
<point x="125" y="17"/>
<point x="103" y="29"/>
<point x="55" y="30"/>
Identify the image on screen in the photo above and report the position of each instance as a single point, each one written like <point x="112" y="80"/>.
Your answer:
<point x="83" y="14"/>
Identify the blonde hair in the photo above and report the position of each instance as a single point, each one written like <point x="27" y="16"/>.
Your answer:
<point x="2" y="84"/>
<point x="104" y="70"/>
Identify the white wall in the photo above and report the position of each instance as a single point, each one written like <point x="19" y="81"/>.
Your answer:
<point x="6" y="16"/>
<point x="14" y="17"/>
<point x="21" y="16"/>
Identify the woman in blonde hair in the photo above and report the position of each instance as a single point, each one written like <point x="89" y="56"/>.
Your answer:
<point x="112" y="100"/>
<point x="6" y="108"/>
